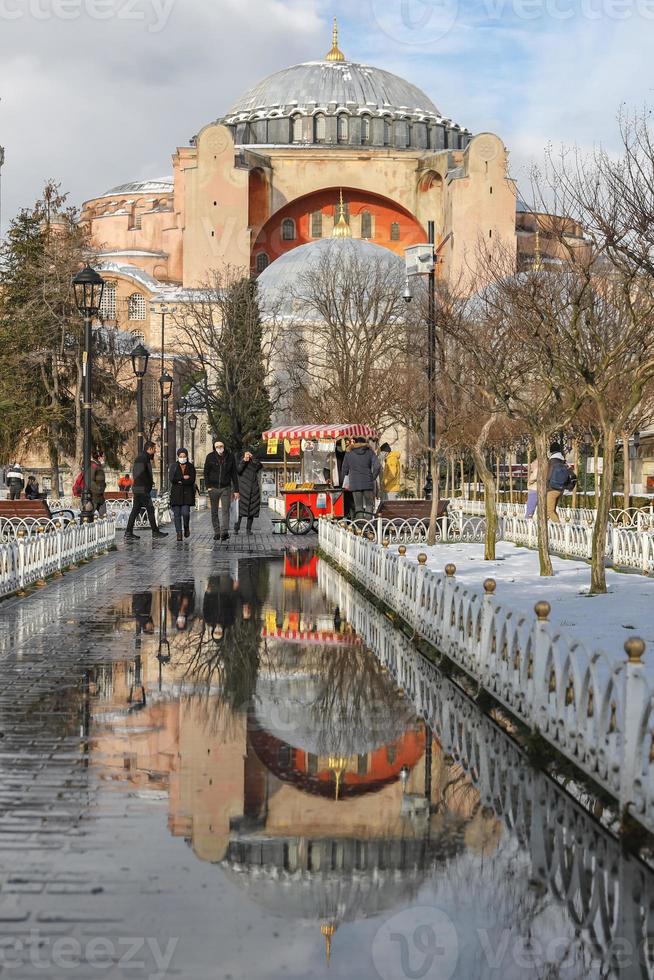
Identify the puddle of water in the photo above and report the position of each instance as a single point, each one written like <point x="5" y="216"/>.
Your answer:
<point x="342" y="809"/>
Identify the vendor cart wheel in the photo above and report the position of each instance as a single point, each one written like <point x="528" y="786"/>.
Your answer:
<point x="299" y="519"/>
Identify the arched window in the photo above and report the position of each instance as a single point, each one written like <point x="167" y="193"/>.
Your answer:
<point x="288" y="230"/>
<point x="319" y="128"/>
<point x="316" y="224"/>
<point x="365" y="129"/>
<point x="343" y="128"/>
<point x="395" y="231"/>
<point x="262" y="261"/>
<point x="136" y="307"/>
<point x="297" y="129"/>
<point x="137" y="336"/>
<point x="108" y="305"/>
<point x="388" y="131"/>
<point x="366" y="224"/>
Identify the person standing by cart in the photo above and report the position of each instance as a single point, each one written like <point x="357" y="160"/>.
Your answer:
<point x="249" y="503"/>
<point x="221" y="481"/>
<point x="362" y="467"/>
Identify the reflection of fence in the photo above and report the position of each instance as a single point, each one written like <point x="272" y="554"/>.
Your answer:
<point x="31" y="559"/>
<point x="607" y="893"/>
<point x="599" y="715"/>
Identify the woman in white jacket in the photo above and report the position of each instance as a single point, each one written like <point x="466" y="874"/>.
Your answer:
<point x="532" y="489"/>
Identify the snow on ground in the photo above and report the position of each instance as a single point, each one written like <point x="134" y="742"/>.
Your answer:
<point x="599" y="622"/>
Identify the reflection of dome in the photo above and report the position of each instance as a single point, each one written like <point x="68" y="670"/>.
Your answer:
<point x="158" y="185"/>
<point x="332" y="85"/>
<point x="281" y="283"/>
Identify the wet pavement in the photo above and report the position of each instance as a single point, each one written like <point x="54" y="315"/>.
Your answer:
<point x="227" y="764"/>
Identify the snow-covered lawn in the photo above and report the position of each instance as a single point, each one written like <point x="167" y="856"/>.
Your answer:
<point x="599" y="622"/>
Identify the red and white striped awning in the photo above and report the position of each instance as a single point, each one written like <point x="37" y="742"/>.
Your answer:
<point x="320" y="432"/>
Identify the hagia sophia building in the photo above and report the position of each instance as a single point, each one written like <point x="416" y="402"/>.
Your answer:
<point x="266" y="178"/>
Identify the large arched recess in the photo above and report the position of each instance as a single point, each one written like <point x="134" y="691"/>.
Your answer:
<point x="393" y="226"/>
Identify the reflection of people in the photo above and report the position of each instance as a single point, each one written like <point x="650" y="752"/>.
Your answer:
<point x="181" y="603"/>
<point x="182" y="492"/>
<point x="220" y="600"/>
<point x="142" y="612"/>
<point x="249" y="503"/>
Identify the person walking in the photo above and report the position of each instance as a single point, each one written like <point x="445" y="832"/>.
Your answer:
<point x="221" y="481"/>
<point x="390" y="480"/>
<point x="32" y="489"/>
<point x="532" y="489"/>
<point x="143" y="484"/>
<point x="558" y="479"/>
<point x="15" y="481"/>
<point x="362" y="468"/>
<point x="98" y="483"/>
<point x="249" y="503"/>
<point x="182" y="492"/>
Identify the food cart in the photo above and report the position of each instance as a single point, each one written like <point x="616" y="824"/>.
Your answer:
<point x="318" y="494"/>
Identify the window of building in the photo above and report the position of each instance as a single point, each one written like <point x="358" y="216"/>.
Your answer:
<point x="316" y="224"/>
<point x="136" y="307"/>
<point x="395" y="231"/>
<point x="365" y="129"/>
<point x="138" y="337"/>
<point x="108" y="305"/>
<point x="262" y="261"/>
<point x="288" y="230"/>
<point x="388" y="131"/>
<point x="366" y="224"/>
<point x="297" y="129"/>
<point x="319" y="128"/>
<point x="343" y="128"/>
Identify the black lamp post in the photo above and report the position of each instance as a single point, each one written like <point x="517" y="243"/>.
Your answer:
<point x="182" y="409"/>
<point x="88" y="286"/>
<point x="140" y="358"/>
<point x="166" y="387"/>
<point x="193" y="424"/>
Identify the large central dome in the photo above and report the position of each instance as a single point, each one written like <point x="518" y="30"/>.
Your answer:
<point x="332" y="85"/>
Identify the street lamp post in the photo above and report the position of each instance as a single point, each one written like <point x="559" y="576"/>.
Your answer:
<point x="193" y="424"/>
<point x="182" y="408"/>
<point x="166" y="387"/>
<point x="140" y="358"/>
<point x="88" y="286"/>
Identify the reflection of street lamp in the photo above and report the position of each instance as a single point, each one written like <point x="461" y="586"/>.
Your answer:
<point x="193" y="424"/>
<point x="140" y="358"/>
<point x="163" y="653"/>
<point x="166" y="388"/>
<point x="88" y="286"/>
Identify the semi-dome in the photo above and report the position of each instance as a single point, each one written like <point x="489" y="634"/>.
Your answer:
<point x="156" y="185"/>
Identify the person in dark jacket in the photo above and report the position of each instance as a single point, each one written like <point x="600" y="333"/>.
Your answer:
<point x="362" y="467"/>
<point x="15" y="481"/>
<point x="32" y="489"/>
<point x="98" y="483"/>
<point x="558" y="478"/>
<point x="249" y="502"/>
<point x="143" y="483"/>
<point x="182" y="492"/>
<point x="221" y="481"/>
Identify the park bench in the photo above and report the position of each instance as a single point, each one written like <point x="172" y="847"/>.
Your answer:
<point x="30" y="513"/>
<point x="410" y="510"/>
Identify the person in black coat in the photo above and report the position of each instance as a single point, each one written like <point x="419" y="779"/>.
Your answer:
<point x="249" y="503"/>
<point x="143" y="483"/>
<point x="182" y="492"/>
<point x="221" y="481"/>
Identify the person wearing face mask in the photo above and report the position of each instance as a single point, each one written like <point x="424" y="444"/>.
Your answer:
<point x="182" y="492"/>
<point x="221" y="481"/>
<point x="98" y="483"/>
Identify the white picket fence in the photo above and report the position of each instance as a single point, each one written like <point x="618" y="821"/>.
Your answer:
<point x="119" y="510"/>
<point x="641" y="518"/>
<point x="31" y="559"/>
<point x="597" y="714"/>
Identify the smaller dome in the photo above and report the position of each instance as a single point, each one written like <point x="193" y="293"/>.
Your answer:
<point x="156" y="185"/>
<point x="280" y="282"/>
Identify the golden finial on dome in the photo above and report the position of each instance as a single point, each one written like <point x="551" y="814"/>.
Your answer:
<point x="341" y="228"/>
<point x="335" y="54"/>
<point x="328" y="929"/>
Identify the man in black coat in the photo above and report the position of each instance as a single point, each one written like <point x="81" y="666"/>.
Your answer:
<point x="143" y="483"/>
<point x="362" y="467"/>
<point x="221" y="481"/>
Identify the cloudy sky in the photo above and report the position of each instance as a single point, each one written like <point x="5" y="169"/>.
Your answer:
<point x="96" y="92"/>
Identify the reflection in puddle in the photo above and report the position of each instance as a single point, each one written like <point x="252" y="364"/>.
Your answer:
<point x="330" y="773"/>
